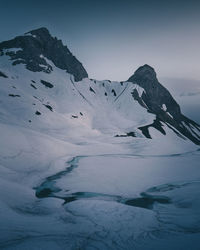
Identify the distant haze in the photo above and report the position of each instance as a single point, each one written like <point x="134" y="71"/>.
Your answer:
<point x="113" y="38"/>
<point x="187" y="94"/>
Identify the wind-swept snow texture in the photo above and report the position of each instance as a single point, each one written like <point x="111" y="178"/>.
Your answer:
<point x="88" y="164"/>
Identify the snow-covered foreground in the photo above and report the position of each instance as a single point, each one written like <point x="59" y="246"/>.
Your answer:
<point x="102" y="193"/>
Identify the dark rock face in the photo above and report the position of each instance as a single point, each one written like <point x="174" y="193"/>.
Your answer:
<point x="37" y="113"/>
<point x="49" y="107"/>
<point x="156" y="95"/>
<point x="3" y="75"/>
<point x="154" y="98"/>
<point x="47" y="84"/>
<point x="13" y="95"/>
<point x="37" y="44"/>
<point x="92" y="90"/>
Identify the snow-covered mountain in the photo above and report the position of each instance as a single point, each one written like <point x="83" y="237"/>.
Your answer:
<point x="44" y="87"/>
<point x="88" y="164"/>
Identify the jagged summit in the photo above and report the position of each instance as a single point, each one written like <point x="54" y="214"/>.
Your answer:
<point x="35" y="46"/>
<point x="39" y="32"/>
<point x="144" y="72"/>
<point x="155" y="93"/>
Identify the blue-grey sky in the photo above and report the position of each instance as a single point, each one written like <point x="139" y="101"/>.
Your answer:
<point x="113" y="37"/>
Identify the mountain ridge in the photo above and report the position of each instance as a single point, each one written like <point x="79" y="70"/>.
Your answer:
<point x="136" y="105"/>
<point x="38" y="43"/>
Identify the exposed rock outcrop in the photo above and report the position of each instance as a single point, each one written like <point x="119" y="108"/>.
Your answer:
<point x="37" y="45"/>
<point x="159" y="101"/>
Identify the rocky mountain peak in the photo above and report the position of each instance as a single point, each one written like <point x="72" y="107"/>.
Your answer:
<point x="156" y="95"/>
<point x="159" y="101"/>
<point x="35" y="46"/>
<point x="145" y="72"/>
<point x="144" y="75"/>
<point x="42" y="34"/>
<point x="39" y="32"/>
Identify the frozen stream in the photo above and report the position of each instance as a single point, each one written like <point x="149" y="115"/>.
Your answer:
<point x="129" y="201"/>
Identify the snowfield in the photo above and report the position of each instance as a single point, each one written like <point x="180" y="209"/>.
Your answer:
<point x="67" y="181"/>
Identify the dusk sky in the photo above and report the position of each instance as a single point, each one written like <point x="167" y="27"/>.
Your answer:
<point x="114" y="37"/>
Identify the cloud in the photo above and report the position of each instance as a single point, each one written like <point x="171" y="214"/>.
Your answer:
<point x="190" y="93"/>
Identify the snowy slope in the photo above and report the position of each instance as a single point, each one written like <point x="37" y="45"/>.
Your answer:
<point x="86" y="105"/>
<point x="90" y="106"/>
